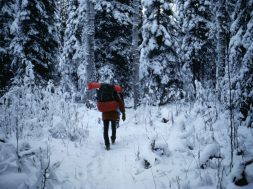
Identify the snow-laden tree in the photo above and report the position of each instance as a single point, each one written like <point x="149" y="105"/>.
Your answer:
<point x="246" y="72"/>
<point x="222" y="28"/>
<point x="71" y="44"/>
<point x="8" y="11"/>
<point x="113" y="30"/>
<point x="198" y="41"/>
<point x="36" y="39"/>
<point x="80" y="56"/>
<point x="230" y="6"/>
<point x="62" y="12"/>
<point x="240" y="58"/>
<point x="72" y="21"/>
<point x="159" y="62"/>
<point x="185" y="68"/>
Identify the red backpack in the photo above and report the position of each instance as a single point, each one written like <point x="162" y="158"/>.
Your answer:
<point x="107" y="96"/>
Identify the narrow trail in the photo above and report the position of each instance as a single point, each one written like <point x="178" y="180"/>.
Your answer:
<point x="112" y="169"/>
<point x="88" y="165"/>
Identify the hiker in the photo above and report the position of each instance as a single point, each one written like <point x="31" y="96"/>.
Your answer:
<point x="111" y="104"/>
<point x="113" y="117"/>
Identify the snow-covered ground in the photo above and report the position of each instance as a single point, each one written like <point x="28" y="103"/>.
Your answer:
<point x="175" y="146"/>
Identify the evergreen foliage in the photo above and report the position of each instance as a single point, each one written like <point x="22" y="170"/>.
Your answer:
<point x="36" y="39"/>
<point x="113" y="42"/>
<point x="7" y="17"/>
<point x="159" y="61"/>
<point x="72" y="40"/>
<point x="240" y="58"/>
<point x="198" y="40"/>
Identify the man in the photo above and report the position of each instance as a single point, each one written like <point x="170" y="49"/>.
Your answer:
<point x="112" y="117"/>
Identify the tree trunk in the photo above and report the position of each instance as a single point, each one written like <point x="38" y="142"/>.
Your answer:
<point x="135" y="50"/>
<point x="89" y="40"/>
<point x="221" y="45"/>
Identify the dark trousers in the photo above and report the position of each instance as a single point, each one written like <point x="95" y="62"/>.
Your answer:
<point x="106" y="130"/>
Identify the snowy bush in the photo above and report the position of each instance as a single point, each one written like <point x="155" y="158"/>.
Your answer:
<point x="32" y="113"/>
<point x="28" y="167"/>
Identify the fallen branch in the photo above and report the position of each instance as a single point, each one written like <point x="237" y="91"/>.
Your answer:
<point x="242" y="180"/>
<point x="27" y="154"/>
<point x="203" y="165"/>
<point x="45" y="177"/>
<point x="248" y="162"/>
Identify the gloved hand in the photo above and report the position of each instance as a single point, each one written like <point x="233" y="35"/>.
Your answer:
<point x="124" y="116"/>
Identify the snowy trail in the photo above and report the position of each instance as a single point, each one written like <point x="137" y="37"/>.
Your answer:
<point x="90" y="166"/>
<point x="149" y="153"/>
<point x="106" y="169"/>
<point x="175" y="162"/>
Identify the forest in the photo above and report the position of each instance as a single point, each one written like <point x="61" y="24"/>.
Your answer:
<point x="186" y="70"/>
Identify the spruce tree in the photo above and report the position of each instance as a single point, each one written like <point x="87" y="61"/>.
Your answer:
<point x="240" y="57"/>
<point x="71" y="44"/>
<point x="185" y="68"/>
<point x="36" y="39"/>
<point x="159" y="61"/>
<point x="198" y="41"/>
<point x="8" y="11"/>
<point x="113" y="30"/>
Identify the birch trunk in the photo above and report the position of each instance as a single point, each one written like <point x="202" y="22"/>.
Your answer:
<point x="135" y="51"/>
<point x="89" y="41"/>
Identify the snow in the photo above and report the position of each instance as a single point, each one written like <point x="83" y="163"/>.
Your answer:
<point x="46" y="138"/>
<point x="151" y="44"/>
<point x="120" y="17"/>
<point x="24" y="3"/>
<point x="2" y="50"/>
<point x="14" y="26"/>
<point x="154" y="27"/>
<point x="174" y="146"/>
<point x="147" y="2"/>
<point x="249" y="173"/>
<point x="211" y="150"/>
<point x="38" y="6"/>
<point x="17" y="181"/>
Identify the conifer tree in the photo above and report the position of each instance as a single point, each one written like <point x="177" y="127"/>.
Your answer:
<point x="159" y="61"/>
<point x="36" y="39"/>
<point x="113" y="30"/>
<point x="62" y="12"/>
<point x="198" y="47"/>
<point x="240" y="57"/>
<point x="71" y="44"/>
<point x="7" y="17"/>
<point x="185" y="68"/>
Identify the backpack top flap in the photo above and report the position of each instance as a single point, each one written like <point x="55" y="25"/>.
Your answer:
<point x="106" y="93"/>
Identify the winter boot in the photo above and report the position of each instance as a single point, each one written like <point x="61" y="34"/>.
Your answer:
<point x="107" y="147"/>
<point x="113" y="140"/>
